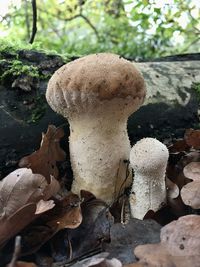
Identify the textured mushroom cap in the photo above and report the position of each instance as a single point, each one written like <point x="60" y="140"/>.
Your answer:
<point x="91" y="80"/>
<point x="148" y="155"/>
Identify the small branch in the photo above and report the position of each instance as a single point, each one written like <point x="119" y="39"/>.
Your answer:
<point x="16" y="252"/>
<point x="90" y="24"/>
<point x="69" y="19"/>
<point x="11" y="116"/>
<point x="79" y="15"/>
<point x="27" y="18"/>
<point x="192" y="43"/>
<point x="34" y="26"/>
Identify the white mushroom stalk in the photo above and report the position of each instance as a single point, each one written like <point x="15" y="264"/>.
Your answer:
<point x="148" y="158"/>
<point x="97" y="94"/>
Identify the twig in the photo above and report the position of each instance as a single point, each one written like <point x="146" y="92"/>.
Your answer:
<point x="192" y="43"/>
<point x="11" y="116"/>
<point x="90" y="24"/>
<point x="27" y="18"/>
<point x="82" y="257"/>
<point x="34" y="26"/>
<point x="16" y="252"/>
<point x="79" y="15"/>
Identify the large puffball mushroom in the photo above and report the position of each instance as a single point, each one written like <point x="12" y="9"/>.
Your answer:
<point x="97" y="94"/>
<point x="148" y="158"/>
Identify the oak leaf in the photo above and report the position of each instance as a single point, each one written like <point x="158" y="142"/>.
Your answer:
<point x="190" y="193"/>
<point x="192" y="138"/>
<point x="179" y="246"/>
<point x="21" y="193"/>
<point x="89" y="236"/>
<point x="66" y="214"/>
<point x="44" y="160"/>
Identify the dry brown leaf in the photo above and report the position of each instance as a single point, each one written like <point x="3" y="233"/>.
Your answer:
<point x="177" y="172"/>
<point x="172" y="189"/>
<point x="52" y="188"/>
<point x="16" y="222"/>
<point x="89" y="236"/>
<point x="182" y="237"/>
<point x="44" y="160"/>
<point x="192" y="171"/>
<point x="20" y="193"/>
<point x="154" y="255"/>
<point x="43" y="206"/>
<point x="23" y="264"/>
<point x="19" y="188"/>
<point x="192" y="138"/>
<point x="179" y="246"/>
<point x="65" y="214"/>
<point x="175" y="169"/>
<point x="178" y="146"/>
<point x="190" y="193"/>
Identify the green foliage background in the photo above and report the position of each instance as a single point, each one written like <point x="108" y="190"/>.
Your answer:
<point x="134" y="29"/>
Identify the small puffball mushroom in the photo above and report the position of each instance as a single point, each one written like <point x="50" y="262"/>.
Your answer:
<point x="97" y="94"/>
<point x="148" y="158"/>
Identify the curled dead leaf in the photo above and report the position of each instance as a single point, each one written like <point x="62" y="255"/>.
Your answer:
<point x="180" y="171"/>
<point x="172" y="189"/>
<point x="16" y="222"/>
<point x="44" y="160"/>
<point x="154" y="255"/>
<point x="179" y="246"/>
<point x="19" y="188"/>
<point x="192" y="138"/>
<point x="179" y="146"/>
<point x="182" y="237"/>
<point x="192" y="171"/>
<point x="52" y="188"/>
<point x="89" y="236"/>
<point x="20" y="195"/>
<point x="65" y="214"/>
<point x="190" y="193"/>
<point x="43" y="206"/>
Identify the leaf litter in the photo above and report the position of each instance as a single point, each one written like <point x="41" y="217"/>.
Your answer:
<point x="61" y="229"/>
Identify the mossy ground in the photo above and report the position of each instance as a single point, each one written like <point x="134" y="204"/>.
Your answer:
<point x="8" y="47"/>
<point x="12" y="65"/>
<point x="17" y="68"/>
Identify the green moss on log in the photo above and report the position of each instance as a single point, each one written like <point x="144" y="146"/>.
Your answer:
<point x="196" y="87"/>
<point x="22" y="61"/>
<point x="17" y="68"/>
<point x="7" y="47"/>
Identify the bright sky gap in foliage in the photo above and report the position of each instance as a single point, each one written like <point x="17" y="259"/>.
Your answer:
<point x="143" y="28"/>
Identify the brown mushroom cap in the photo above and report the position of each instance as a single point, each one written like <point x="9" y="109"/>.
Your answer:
<point x="99" y="77"/>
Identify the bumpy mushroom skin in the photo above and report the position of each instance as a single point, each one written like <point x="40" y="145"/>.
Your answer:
<point x="148" y="158"/>
<point x="96" y="94"/>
